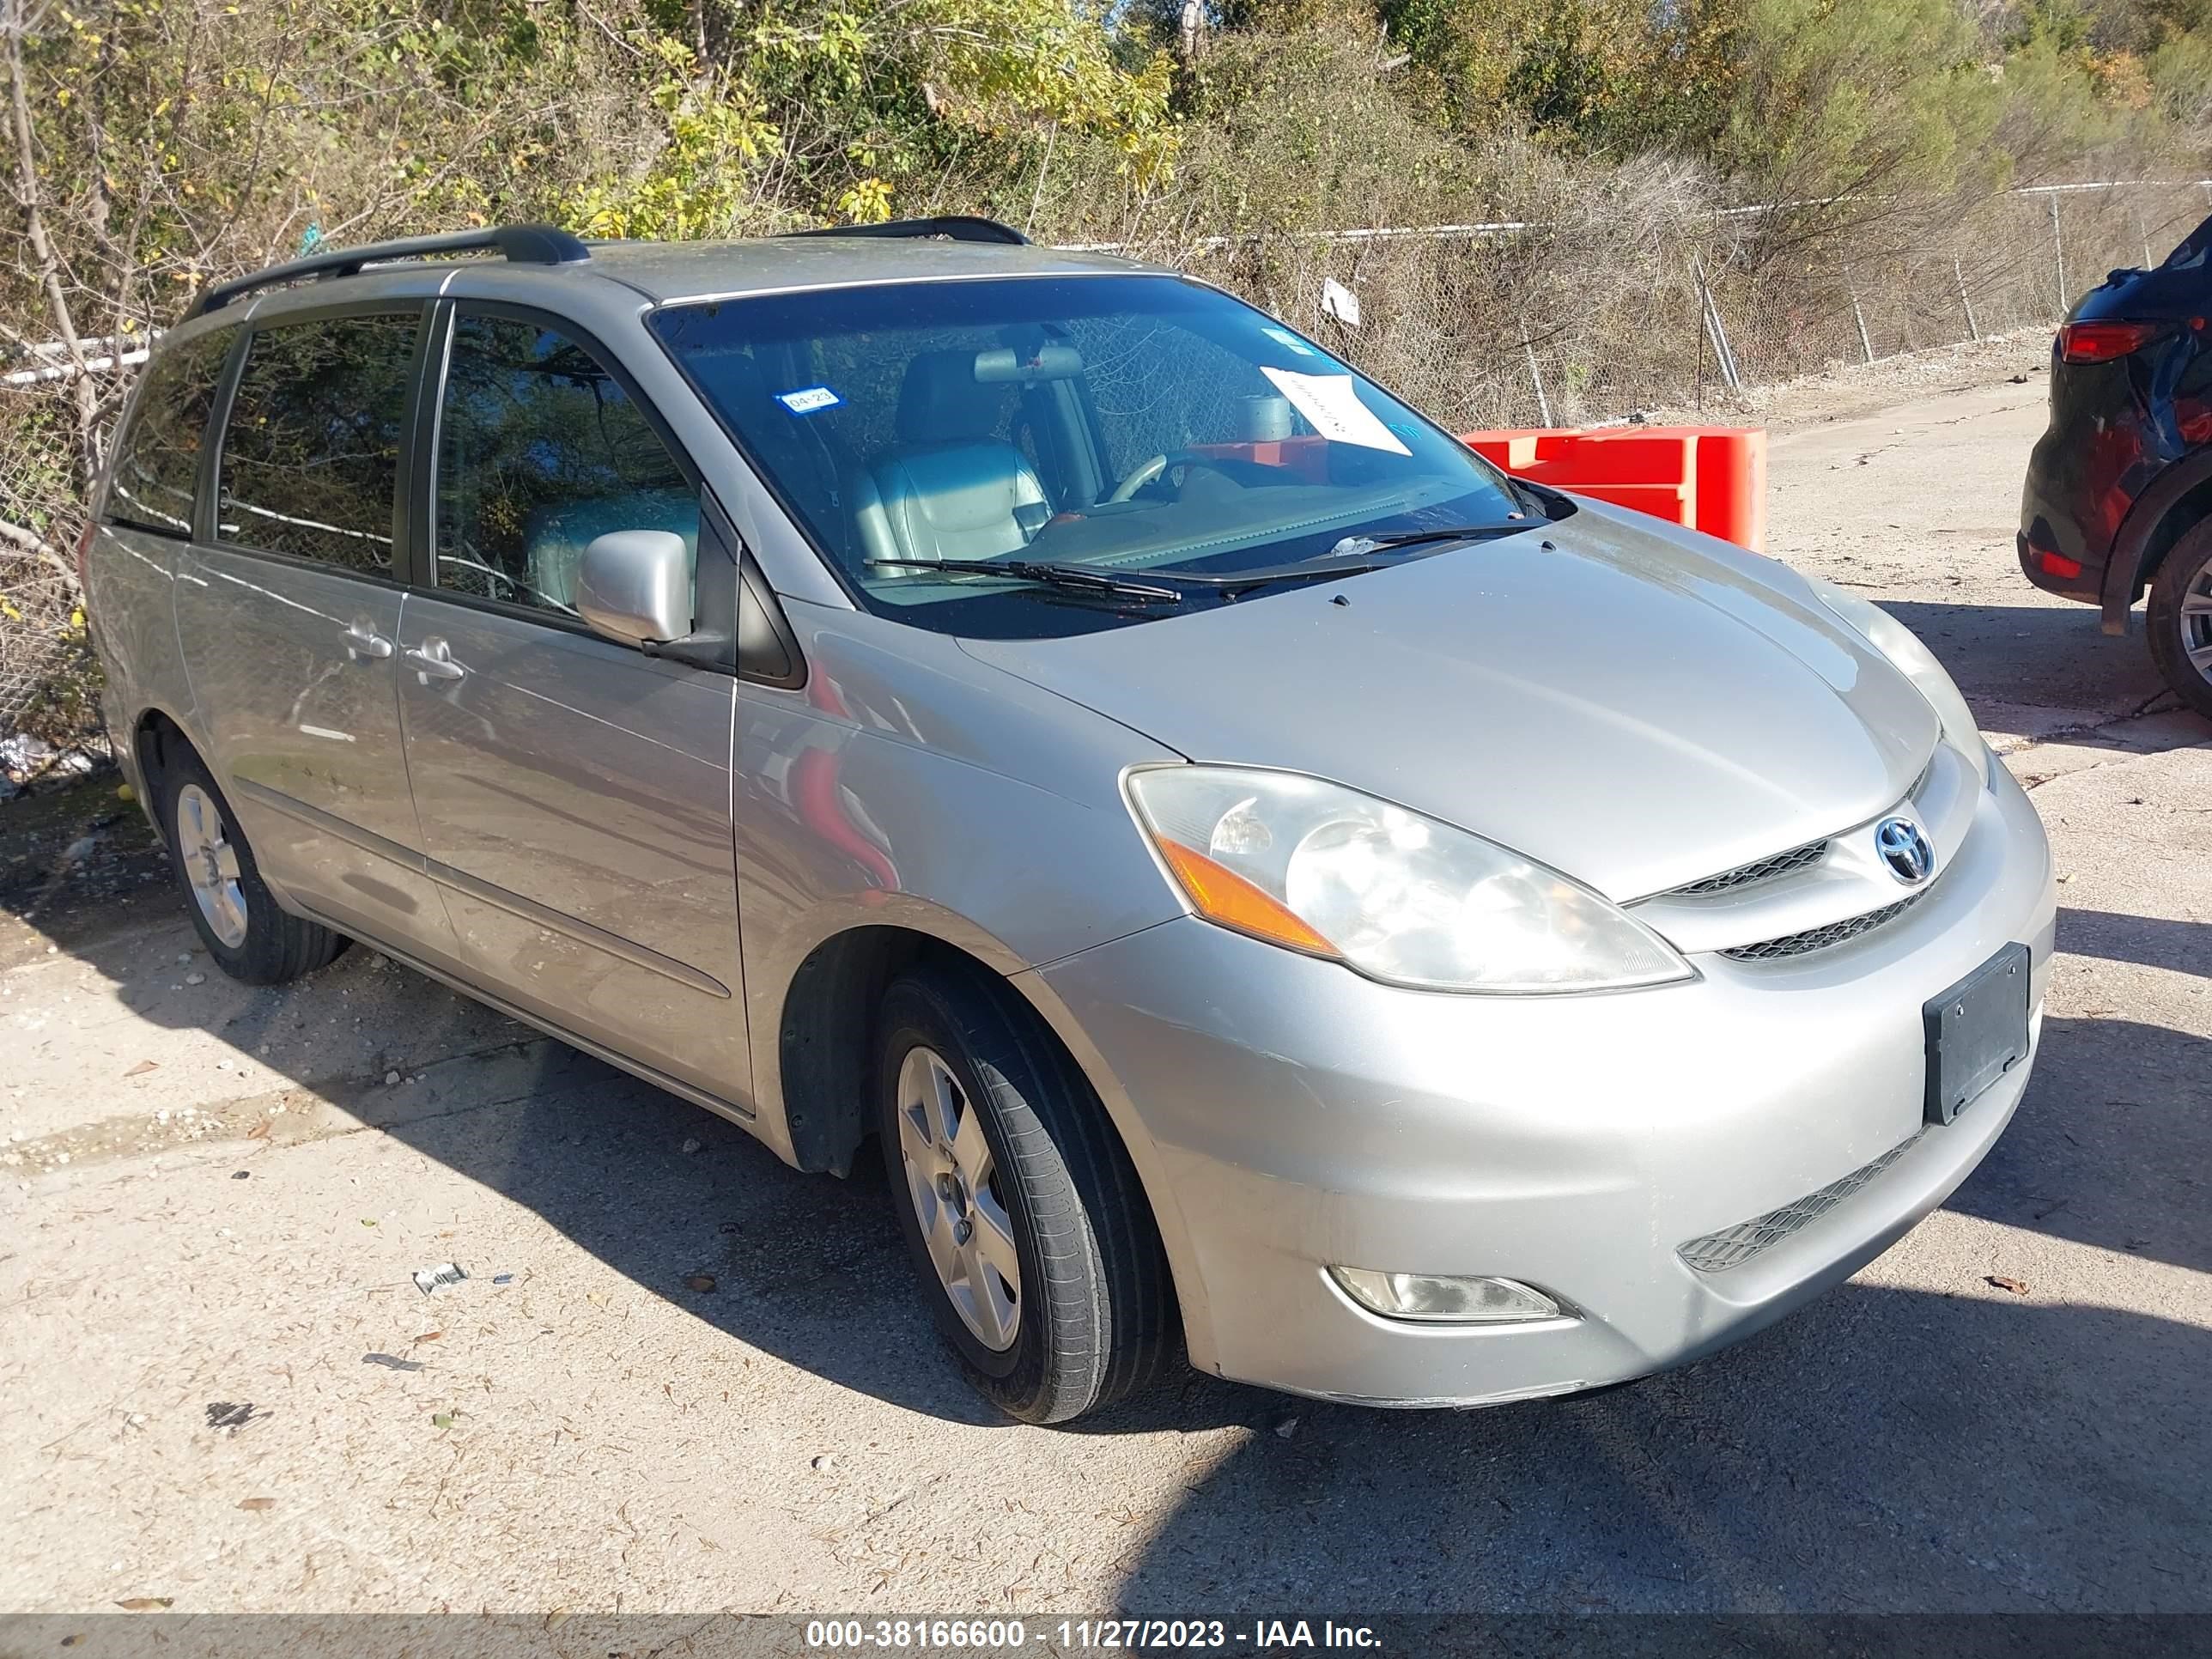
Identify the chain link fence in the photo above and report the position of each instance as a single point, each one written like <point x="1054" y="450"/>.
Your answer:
<point x="49" y="709"/>
<point x="1650" y="300"/>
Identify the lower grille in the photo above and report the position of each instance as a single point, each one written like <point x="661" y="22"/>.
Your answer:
<point x="1820" y="938"/>
<point x="1731" y="1247"/>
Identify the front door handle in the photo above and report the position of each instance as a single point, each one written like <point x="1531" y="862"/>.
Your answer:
<point x="434" y="660"/>
<point x="363" y="643"/>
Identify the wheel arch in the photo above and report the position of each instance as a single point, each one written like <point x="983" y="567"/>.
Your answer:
<point x="157" y="737"/>
<point x="825" y="1054"/>
<point x="2178" y="499"/>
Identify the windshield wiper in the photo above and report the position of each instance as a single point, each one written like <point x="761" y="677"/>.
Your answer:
<point x="1353" y="546"/>
<point x="1350" y="558"/>
<point x="1073" y="577"/>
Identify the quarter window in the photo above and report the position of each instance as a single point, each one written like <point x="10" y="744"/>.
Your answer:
<point x="157" y="461"/>
<point x="540" y="452"/>
<point x="310" y="462"/>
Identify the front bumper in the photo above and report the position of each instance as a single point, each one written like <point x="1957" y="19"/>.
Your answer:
<point x="1294" y="1115"/>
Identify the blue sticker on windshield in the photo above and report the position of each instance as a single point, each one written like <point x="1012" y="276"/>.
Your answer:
<point x="806" y="402"/>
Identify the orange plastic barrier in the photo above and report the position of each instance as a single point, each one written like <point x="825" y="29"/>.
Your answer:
<point x="1711" y="478"/>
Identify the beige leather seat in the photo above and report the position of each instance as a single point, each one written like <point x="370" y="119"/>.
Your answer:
<point x="948" y="488"/>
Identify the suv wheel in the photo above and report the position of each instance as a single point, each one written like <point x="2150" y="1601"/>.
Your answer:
<point x="2181" y="618"/>
<point x="1036" y="1248"/>
<point x="249" y="936"/>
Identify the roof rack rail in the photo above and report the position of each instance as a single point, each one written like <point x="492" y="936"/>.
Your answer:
<point x="534" y="245"/>
<point x="960" y="226"/>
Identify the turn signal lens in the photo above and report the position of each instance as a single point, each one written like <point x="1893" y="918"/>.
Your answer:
<point x="2103" y="343"/>
<point x="1224" y="896"/>
<point x="1443" y="1299"/>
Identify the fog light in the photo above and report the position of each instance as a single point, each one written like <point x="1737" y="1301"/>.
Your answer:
<point x="1444" y="1299"/>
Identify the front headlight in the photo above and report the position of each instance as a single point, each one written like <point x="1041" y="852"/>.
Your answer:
<point x="1905" y="652"/>
<point x="1323" y="869"/>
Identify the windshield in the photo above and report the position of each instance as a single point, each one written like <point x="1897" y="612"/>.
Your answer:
<point x="1136" y="429"/>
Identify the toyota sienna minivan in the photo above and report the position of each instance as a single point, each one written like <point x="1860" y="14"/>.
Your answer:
<point x="1274" y="887"/>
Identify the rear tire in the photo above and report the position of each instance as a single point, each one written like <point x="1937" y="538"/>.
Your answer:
<point x="248" y="934"/>
<point x="2180" y="619"/>
<point x="988" y="1127"/>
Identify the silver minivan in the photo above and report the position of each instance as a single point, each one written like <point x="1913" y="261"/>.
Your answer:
<point x="1273" y="885"/>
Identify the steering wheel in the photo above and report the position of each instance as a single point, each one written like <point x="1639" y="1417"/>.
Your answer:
<point x="1146" y="471"/>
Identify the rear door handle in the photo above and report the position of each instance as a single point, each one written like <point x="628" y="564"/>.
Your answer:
<point x="364" y="642"/>
<point x="434" y="660"/>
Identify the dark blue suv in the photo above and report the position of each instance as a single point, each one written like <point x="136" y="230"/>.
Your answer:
<point x="2119" y="489"/>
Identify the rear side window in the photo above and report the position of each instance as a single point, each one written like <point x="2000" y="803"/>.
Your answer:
<point x="310" y="463"/>
<point x="157" y="459"/>
<point x="539" y="451"/>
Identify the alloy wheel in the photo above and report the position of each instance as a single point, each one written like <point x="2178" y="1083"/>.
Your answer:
<point x="211" y="864"/>
<point x="2196" y="622"/>
<point x="952" y="1182"/>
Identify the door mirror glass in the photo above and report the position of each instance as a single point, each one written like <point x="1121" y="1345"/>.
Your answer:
<point x="635" y="585"/>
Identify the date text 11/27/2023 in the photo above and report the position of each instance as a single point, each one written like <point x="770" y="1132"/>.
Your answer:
<point x="1085" y="1635"/>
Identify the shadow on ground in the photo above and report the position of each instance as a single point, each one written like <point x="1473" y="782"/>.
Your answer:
<point x="2046" y="655"/>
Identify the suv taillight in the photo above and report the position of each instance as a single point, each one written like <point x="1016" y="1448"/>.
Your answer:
<point x="2103" y="343"/>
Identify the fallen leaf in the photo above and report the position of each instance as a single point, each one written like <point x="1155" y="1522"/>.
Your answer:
<point x="143" y="1067"/>
<point x="259" y="1131"/>
<point x="699" y="1282"/>
<point x="442" y="1420"/>
<point x="257" y="1503"/>
<point x="2003" y="1283"/>
<point x="368" y="1221"/>
<point x="146" y="1604"/>
<point x="429" y="1336"/>
<point x="597" y="1299"/>
<point x="555" y="1618"/>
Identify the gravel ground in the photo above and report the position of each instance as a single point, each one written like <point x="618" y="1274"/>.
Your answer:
<point x="680" y="1378"/>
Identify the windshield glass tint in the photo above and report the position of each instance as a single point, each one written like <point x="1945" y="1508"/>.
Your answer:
<point x="1125" y="425"/>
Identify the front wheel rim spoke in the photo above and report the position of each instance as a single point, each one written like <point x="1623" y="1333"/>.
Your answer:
<point x="915" y="1143"/>
<point x="971" y="1153"/>
<point x="937" y="1229"/>
<point x="945" y="1103"/>
<point x="994" y="1242"/>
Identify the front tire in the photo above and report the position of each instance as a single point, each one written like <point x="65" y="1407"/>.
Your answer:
<point x="1027" y="1224"/>
<point x="249" y="935"/>
<point x="2180" y="619"/>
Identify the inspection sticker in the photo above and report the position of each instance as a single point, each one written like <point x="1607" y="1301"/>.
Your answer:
<point x="806" y="402"/>
<point x="1284" y="338"/>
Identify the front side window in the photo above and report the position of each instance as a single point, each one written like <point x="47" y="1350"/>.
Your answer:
<point x="1126" y="427"/>
<point x="540" y="451"/>
<point x="157" y="459"/>
<point x="310" y="462"/>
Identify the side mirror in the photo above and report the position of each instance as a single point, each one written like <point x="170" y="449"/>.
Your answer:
<point x="635" y="585"/>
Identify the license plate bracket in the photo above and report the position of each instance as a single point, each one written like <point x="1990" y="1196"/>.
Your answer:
<point x="1976" y="1031"/>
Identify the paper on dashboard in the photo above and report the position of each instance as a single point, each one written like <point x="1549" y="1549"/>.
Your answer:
<point x="1331" y="405"/>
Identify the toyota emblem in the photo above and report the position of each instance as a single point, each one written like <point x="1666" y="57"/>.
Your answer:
<point x="1904" y="849"/>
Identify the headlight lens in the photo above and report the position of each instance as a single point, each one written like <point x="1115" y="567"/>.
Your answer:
<point x="1401" y="897"/>
<point x="1914" y="660"/>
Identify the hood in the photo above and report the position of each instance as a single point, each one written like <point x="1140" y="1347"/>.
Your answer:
<point x="1634" y="706"/>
